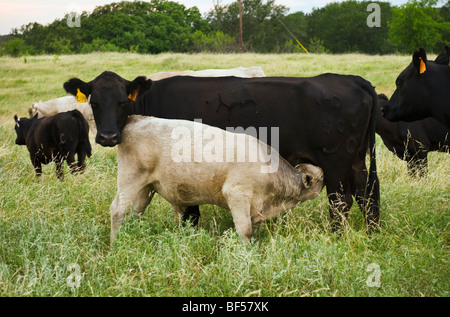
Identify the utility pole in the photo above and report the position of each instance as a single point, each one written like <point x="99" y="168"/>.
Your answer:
<point x="241" y="41"/>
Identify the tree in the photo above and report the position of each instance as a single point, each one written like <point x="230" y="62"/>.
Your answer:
<point x="342" y="27"/>
<point x="15" y="47"/>
<point x="258" y="19"/>
<point x="416" y="24"/>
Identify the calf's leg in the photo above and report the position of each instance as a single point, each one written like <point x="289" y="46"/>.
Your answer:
<point x="59" y="168"/>
<point x="143" y="199"/>
<point x="239" y="202"/>
<point x="127" y="194"/>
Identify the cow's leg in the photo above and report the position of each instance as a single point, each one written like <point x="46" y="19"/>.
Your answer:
<point x="192" y="214"/>
<point x="238" y="201"/>
<point x="116" y="219"/>
<point x="71" y="162"/>
<point x="127" y="193"/>
<point x="143" y="199"/>
<point x="364" y="195"/>
<point x="340" y="200"/>
<point x="242" y="219"/>
<point x="418" y="165"/>
<point x="179" y="210"/>
<point x="81" y="165"/>
<point x="37" y="166"/>
<point x="83" y="150"/>
<point x="59" y="161"/>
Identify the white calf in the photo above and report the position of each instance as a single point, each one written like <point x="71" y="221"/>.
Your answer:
<point x="189" y="164"/>
<point x="245" y="72"/>
<point x="63" y="104"/>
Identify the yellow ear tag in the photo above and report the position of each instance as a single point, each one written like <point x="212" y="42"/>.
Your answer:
<point x="133" y="96"/>
<point x="422" y="67"/>
<point x="80" y="96"/>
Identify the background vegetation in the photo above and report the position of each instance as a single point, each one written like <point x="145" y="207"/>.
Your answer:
<point x="48" y="226"/>
<point x="165" y="26"/>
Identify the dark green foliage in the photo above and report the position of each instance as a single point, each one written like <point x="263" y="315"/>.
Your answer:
<point x="167" y="26"/>
<point x="343" y="27"/>
<point x="419" y="24"/>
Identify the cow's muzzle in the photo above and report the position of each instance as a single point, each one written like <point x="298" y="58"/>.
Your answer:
<point x="107" y="139"/>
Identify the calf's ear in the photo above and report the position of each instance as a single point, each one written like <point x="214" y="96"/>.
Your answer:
<point x="16" y="119"/>
<point x="78" y="88"/>
<point x="307" y="179"/>
<point x="420" y="60"/>
<point x="138" y="86"/>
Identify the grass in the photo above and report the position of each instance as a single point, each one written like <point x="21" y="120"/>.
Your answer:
<point x="49" y="229"/>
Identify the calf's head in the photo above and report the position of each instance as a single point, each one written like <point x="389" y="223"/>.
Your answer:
<point x="410" y="100"/>
<point x="22" y="126"/>
<point x="112" y="98"/>
<point x="312" y="180"/>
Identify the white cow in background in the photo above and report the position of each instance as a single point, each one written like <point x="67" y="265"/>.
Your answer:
<point x="244" y="72"/>
<point x="63" y="104"/>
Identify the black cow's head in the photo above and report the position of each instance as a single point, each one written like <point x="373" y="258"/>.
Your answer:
<point x="22" y="126"/>
<point x="409" y="101"/>
<point x="111" y="101"/>
<point x="444" y="57"/>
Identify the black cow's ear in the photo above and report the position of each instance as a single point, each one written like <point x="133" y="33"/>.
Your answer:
<point x="138" y="86"/>
<point x="16" y="119"/>
<point x="444" y="57"/>
<point x="419" y="60"/>
<point x="74" y="86"/>
<point x="447" y="50"/>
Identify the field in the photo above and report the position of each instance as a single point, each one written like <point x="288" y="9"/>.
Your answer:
<point x="54" y="236"/>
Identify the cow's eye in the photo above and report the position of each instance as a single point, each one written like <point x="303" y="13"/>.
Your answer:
<point x="122" y="103"/>
<point x="94" y="104"/>
<point x="399" y="83"/>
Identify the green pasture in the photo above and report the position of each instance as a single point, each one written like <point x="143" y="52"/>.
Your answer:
<point x="54" y="236"/>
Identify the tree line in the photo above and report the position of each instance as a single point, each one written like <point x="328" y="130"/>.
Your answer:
<point x="166" y="26"/>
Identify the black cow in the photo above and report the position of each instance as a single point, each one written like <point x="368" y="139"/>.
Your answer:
<point x="422" y="92"/>
<point x="411" y="141"/>
<point x="444" y="57"/>
<point x="327" y="120"/>
<point x="56" y="138"/>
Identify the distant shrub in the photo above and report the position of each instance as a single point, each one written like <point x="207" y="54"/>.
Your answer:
<point x="15" y="48"/>
<point x="217" y="42"/>
<point x="99" y="45"/>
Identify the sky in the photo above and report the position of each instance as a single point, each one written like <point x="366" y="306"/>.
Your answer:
<point x="15" y="13"/>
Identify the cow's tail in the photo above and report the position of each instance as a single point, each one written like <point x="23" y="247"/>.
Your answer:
<point x="83" y="131"/>
<point x="372" y="194"/>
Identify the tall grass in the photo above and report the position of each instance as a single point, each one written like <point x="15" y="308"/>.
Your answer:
<point x="49" y="229"/>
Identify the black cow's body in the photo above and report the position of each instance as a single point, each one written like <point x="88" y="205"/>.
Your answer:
<point x="422" y="91"/>
<point x="411" y="141"/>
<point x="326" y="120"/>
<point x="55" y="138"/>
